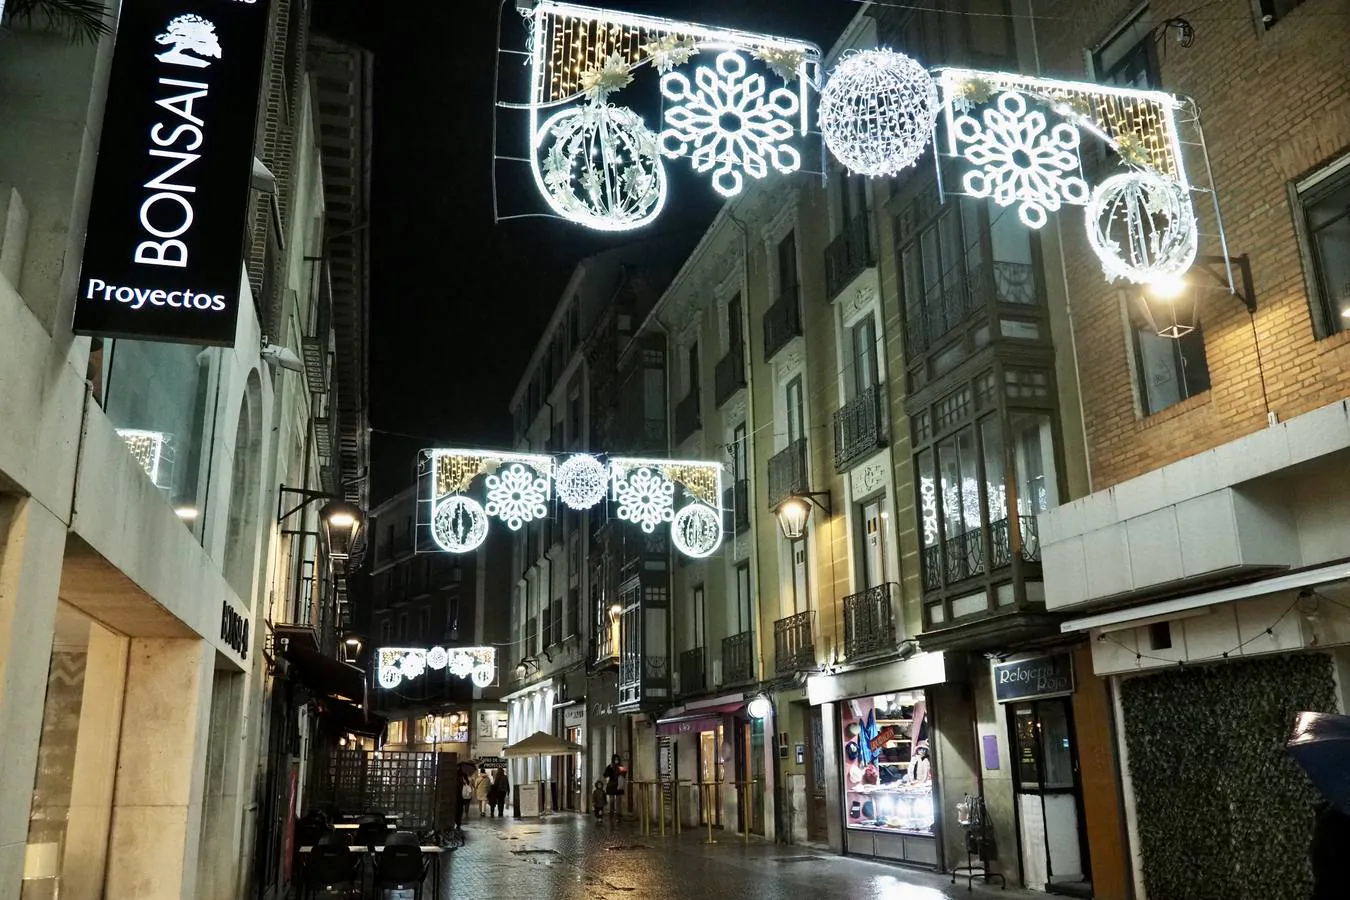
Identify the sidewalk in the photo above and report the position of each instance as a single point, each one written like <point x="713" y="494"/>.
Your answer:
<point x="570" y="856"/>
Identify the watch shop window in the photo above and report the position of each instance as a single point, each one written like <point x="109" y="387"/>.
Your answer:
<point x="1323" y="205"/>
<point x="1167" y="370"/>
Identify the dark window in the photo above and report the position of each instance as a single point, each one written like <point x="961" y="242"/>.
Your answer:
<point x="734" y="325"/>
<point x="1129" y="58"/>
<point x="1272" y="11"/>
<point x="1325" y="210"/>
<point x="743" y="603"/>
<point x="852" y="197"/>
<point x="787" y="263"/>
<point x="796" y="411"/>
<point x="1169" y="370"/>
<point x="693" y="369"/>
<point x="863" y="373"/>
<point x="700" y="617"/>
<point x="739" y="468"/>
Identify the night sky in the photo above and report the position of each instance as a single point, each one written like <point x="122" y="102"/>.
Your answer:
<point x="458" y="302"/>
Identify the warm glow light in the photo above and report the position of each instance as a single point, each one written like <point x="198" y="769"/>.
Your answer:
<point x="1168" y="288"/>
<point x="615" y="610"/>
<point x="342" y="520"/>
<point x="792" y="515"/>
<point x="186" y="512"/>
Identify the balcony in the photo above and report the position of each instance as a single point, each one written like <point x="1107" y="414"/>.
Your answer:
<point x="738" y="658"/>
<point x="858" y="428"/>
<point x="794" y="647"/>
<point x="688" y="418"/>
<point x="693" y="673"/>
<point x="782" y="322"/>
<point x="736" y="503"/>
<point x="869" y="621"/>
<point x="848" y="256"/>
<point x="729" y="376"/>
<point x="787" y="471"/>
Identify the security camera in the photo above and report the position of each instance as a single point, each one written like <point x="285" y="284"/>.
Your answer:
<point x="279" y="357"/>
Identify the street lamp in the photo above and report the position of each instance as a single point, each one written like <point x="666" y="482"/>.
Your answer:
<point x="341" y="523"/>
<point x="1172" y="305"/>
<point x="794" y="512"/>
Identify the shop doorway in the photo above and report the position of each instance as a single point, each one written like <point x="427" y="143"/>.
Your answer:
<point x="750" y="774"/>
<point x="817" y="826"/>
<point x="710" y="771"/>
<point x="572" y="772"/>
<point x="1049" y="797"/>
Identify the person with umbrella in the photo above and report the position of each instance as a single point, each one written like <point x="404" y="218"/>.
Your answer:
<point x="1321" y="745"/>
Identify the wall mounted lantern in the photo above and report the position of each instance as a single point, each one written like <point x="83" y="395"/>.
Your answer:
<point x="1172" y="306"/>
<point x="794" y="512"/>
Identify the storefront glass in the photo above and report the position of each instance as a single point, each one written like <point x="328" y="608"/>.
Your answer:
<point x="888" y="772"/>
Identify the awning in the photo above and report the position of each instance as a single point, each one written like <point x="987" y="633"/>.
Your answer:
<point x="341" y="717"/>
<point x="322" y="674"/>
<point x="697" y="720"/>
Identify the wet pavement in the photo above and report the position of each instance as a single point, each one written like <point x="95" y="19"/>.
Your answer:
<point x="570" y="857"/>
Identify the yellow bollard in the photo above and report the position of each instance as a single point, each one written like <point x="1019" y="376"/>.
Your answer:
<point x="710" y="796"/>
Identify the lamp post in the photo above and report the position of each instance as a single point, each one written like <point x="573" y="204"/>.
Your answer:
<point x="794" y="512"/>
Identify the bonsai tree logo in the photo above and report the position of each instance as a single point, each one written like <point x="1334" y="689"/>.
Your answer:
<point x="189" y="34"/>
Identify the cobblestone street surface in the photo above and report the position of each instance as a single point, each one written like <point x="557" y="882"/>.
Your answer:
<point x="570" y="857"/>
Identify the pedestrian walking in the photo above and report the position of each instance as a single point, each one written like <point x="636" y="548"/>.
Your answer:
<point x="465" y="797"/>
<point x="482" y="785"/>
<point x="500" y="790"/>
<point x="598" y="799"/>
<point x="614" y="775"/>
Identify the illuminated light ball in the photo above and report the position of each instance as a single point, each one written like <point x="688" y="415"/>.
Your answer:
<point x="459" y="524"/>
<point x="1142" y="228"/>
<point x="600" y="165"/>
<point x="581" y="481"/>
<point x="483" y="676"/>
<point x="390" y="677"/>
<point x="877" y="112"/>
<point x="437" y="658"/>
<point x="697" y="530"/>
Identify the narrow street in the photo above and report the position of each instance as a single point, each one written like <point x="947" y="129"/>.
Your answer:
<point x="569" y="857"/>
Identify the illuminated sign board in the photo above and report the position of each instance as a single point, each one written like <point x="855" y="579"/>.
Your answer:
<point x="165" y="241"/>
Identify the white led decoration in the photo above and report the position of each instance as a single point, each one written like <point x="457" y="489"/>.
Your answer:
<point x="147" y="447"/>
<point x="581" y="481"/>
<point x="697" y="530"/>
<point x="601" y="167"/>
<point x="517" y="496"/>
<point x="1142" y="228"/>
<point x="729" y="123"/>
<point x="877" y="112"/>
<point x="395" y="665"/>
<point x="645" y="497"/>
<point x="459" y="524"/>
<point x="1020" y="159"/>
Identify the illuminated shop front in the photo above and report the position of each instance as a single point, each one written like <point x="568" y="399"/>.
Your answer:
<point x="888" y="773"/>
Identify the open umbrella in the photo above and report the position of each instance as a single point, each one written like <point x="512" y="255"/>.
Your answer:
<point x="1321" y="745"/>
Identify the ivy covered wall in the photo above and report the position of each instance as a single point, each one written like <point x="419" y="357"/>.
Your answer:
<point x="1223" y="811"/>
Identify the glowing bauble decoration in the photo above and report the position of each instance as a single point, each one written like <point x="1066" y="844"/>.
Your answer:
<point x="517" y="496"/>
<point x="581" y="481"/>
<point x="645" y="498"/>
<point x="601" y="167"/>
<point x="390" y="676"/>
<point x="877" y="112"/>
<point x="697" y="530"/>
<point x="459" y="524"/>
<point x="1142" y="227"/>
<point x="437" y="658"/>
<point x="483" y="676"/>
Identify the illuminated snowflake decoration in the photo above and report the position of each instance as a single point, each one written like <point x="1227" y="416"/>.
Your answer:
<point x="437" y="658"/>
<point x="517" y="496"/>
<point x="877" y="112"/>
<point x="697" y="530"/>
<point x="601" y="167"/>
<point x="413" y="665"/>
<point x="396" y="664"/>
<point x="580" y="481"/>
<point x="1021" y="160"/>
<point x="483" y="676"/>
<point x="645" y="497"/>
<point x="1142" y="227"/>
<point x="729" y="123"/>
<point x="459" y="524"/>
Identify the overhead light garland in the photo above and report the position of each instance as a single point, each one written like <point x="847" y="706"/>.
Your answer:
<point x="394" y="665"/>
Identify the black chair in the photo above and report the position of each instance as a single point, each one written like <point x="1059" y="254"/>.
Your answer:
<point x="401" y="865"/>
<point x="371" y="832"/>
<point x="331" y="870"/>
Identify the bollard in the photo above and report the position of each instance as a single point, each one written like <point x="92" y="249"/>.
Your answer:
<point x="709" y="793"/>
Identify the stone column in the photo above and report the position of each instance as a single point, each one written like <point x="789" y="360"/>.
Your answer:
<point x="32" y="544"/>
<point x="161" y="768"/>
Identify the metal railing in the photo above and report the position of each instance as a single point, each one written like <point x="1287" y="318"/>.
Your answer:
<point x="736" y="503"/>
<point x="964" y="555"/>
<point x="869" y="620"/>
<point x="858" y="428"/>
<point x="729" y="376"/>
<point x="782" y="322"/>
<point x="848" y="255"/>
<point x="794" y="646"/>
<point x="787" y="471"/>
<point x="688" y="416"/>
<point x="693" y="673"/>
<point x="738" y="658"/>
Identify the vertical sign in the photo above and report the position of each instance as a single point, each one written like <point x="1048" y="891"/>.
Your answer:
<point x="165" y="241"/>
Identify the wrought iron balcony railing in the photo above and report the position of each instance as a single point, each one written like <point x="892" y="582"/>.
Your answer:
<point x="794" y="646"/>
<point x="787" y="471"/>
<point x="688" y="417"/>
<point x="848" y="255"/>
<point x="738" y="658"/>
<point x="858" y="428"/>
<point x="729" y="377"/>
<point x="869" y="620"/>
<point x="693" y="673"/>
<point x="736" y="503"/>
<point x="782" y="322"/>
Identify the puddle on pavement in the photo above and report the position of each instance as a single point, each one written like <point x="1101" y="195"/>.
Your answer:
<point x="529" y="851"/>
<point x="629" y="847"/>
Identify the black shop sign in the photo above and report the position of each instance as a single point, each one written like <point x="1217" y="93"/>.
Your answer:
<point x="1031" y="679"/>
<point x="233" y="630"/>
<point x="164" y="246"/>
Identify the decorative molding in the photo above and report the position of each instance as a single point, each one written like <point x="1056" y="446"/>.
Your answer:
<point x="789" y="361"/>
<point x="733" y="413"/>
<point x="869" y="477"/>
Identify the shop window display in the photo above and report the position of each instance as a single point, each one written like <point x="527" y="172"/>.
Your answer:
<point x="888" y="769"/>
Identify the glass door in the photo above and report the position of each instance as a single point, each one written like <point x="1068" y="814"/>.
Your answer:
<point x="709" y="773"/>
<point x="1049" y="795"/>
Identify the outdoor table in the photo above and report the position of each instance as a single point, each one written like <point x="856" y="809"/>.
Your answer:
<point x="431" y="850"/>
